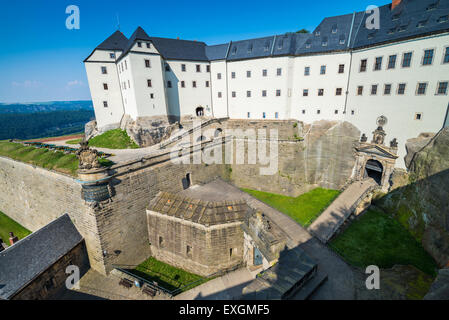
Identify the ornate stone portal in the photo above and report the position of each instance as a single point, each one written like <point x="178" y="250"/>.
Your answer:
<point x="374" y="159"/>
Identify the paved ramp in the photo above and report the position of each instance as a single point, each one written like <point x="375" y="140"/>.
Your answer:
<point x="328" y="223"/>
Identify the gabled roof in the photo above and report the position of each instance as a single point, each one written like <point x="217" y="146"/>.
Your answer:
<point x="28" y="258"/>
<point x="117" y="41"/>
<point x="207" y="213"/>
<point x="217" y="52"/>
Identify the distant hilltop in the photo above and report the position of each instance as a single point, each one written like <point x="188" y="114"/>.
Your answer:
<point x="49" y="106"/>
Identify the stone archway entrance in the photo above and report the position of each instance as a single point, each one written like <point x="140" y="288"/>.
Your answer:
<point x="374" y="169"/>
<point x="199" y="111"/>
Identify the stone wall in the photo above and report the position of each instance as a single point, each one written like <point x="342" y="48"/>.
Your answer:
<point x="51" y="281"/>
<point x="34" y="197"/>
<point x="209" y="247"/>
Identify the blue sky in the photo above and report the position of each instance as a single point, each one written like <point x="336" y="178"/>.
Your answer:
<point x="41" y="60"/>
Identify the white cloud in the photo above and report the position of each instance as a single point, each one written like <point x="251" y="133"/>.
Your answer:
<point x="27" y="84"/>
<point x="75" y="83"/>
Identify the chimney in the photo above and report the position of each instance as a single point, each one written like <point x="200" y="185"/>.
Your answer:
<point x="395" y="3"/>
<point x="177" y="38"/>
<point x="12" y="239"/>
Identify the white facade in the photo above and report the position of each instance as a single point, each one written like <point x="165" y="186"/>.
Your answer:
<point x="274" y="87"/>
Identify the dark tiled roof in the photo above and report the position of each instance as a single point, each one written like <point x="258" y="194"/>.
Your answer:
<point x="411" y="18"/>
<point x="217" y="52"/>
<point x="117" y="41"/>
<point x="175" y="49"/>
<point x="202" y="212"/>
<point x="22" y="262"/>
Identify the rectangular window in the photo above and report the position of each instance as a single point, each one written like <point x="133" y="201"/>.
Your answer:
<point x="264" y="93"/>
<point x="248" y="115"/>
<point x="233" y="75"/>
<point x="323" y="70"/>
<point x="168" y="84"/>
<point x="418" y="116"/>
<point x="105" y="104"/>
<point x="147" y="63"/>
<point x="264" y="72"/>
<point x="336" y="112"/>
<point x="446" y="55"/>
<point x="218" y="76"/>
<point x="208" y="68"/>
<point x="233" y="94"/>
<point x="167" y="67"/>
<point x="341" y="68"/>
<point x="406" y="60"/>
<point x="104" y="70"/>
<point x="279" y="72"/>
<point x="338" y="92"/>
<point x="378" y="64"/>
<point x="139" y="44"/>
<point x="428" y="57"/>
<point x="278" y="93"/>
<point x="307" y="71"/>
<point x="248" y="74"/>
<point x="318" y="111"/>
<point x="219" y="94"/>
<point x="198" y="68"/>
<point x="360" y="90"/>
<point x="264" y="115"/>
<point x="374" y="89"/>
<point x="442" y="88"/>
<point x="276" y="115"/>
<point x="401" y="88"/>
<point x="183" y="67"/>
<point x="305" y="93"/>
<point x="387" y="89"/>
<point x="126" y="65"/>
<point x="151" y="95"/>
<point x="183" y="84"/>
<point x="149" y="83"/>
<point x="207" y="84"/>
<point x="421" y="88"/>
<point x="193" y="84"/>
<point x="105" y="86"/>
<point x="303" y="111"/>
<point x="363" y="65"/>
<point x="248" y="94"/>
<point x="392" y="62"/>
<point x="320" y="92"/>
<point x="148" y="45"/>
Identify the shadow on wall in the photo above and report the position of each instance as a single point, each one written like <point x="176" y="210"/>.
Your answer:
<point x="422" y="207"/>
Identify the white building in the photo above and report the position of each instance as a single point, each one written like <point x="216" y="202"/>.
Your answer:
<point x="341" y="71"/>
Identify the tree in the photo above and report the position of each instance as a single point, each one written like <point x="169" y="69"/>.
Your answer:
<point x="303" y="31"/>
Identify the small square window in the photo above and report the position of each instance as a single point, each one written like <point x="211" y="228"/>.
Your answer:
<point x="338" y="92"/>
<point x="336" y="112"/>
<point x="418" y="116"/>
<point x="352" y="112"/>
<point x="318" y="111"/>
<point x="305" y="93"/>
<point x="320" y="92"/>
<point x="303" y="111"/>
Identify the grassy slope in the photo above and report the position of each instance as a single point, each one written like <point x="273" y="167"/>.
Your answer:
<point x="58" y="161"/>
<point x="303" y="209"/>
<point x="166" y="275"/>
<point x="75" y="141"/>
<point x="8" y="225"/>
<point x="113" y="139"/>
<point x="377" y="239"/>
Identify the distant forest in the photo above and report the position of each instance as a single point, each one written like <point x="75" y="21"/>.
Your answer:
<point x="20" y="121"/>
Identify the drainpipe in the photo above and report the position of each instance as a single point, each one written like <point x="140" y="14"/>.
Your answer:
<point x="350" y="64"/>
<point x="226" y="73"/>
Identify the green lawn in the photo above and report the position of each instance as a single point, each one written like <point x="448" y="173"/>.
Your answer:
<point x="58" y="161"/>
<point x="303" y="209"/>
<point x="167" y="276"/>
<point x="113" y="139"/>
<point x="378" y="239"/>
<point x="8" y="225"/>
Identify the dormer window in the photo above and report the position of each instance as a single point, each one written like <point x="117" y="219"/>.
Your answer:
<point x="317" y="32"/>
<point x="433" y="6"/>
<point x="280" y="44"/>
<point x="267" y="46"/>
<point x="342" y="40"/>
<point x="371" y="35"/>
<point x="250" y="48"/>
<point x="403" y="28"/>
<point x="392" y="31"/>
<point x="324" y="42"/>
<point x="308" y="44"/>
<point x="334" y="28"/>
<point x="421" y="23"/>
<point x="443" y="19"/>
<point x="395" y="16"/>
<point x="234" y="50"/>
